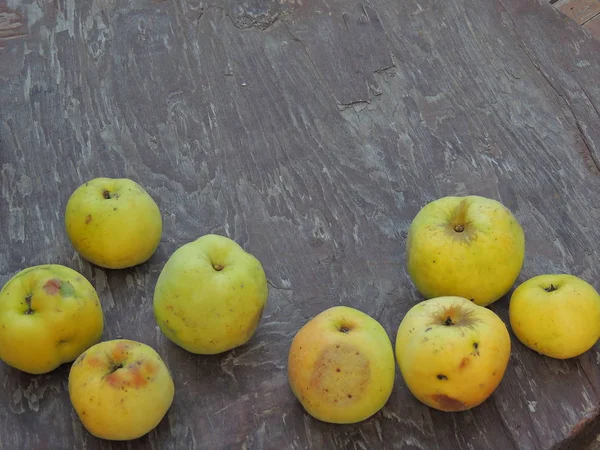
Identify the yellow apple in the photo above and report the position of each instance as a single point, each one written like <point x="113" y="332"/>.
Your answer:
<point x="557" y="315"/>
<point x="470" y="247"/>
<point x="120" y="389"/>
<point x="49" y="314"/>
<point x="341" y="366"/>
<point x="210" y="295"/>
<point x="451" y="352"/>
<point x="113" y="222"/>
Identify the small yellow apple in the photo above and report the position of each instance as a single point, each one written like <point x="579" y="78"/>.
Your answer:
<point x="451" y="352"/>
<point x="49" y="314"/>
<point x="341" y="366"/>
<point x="210" y="295"/>
<point x="113" y="222"/>
<point x="557" y="315"/>
<point x="470" y="246"/>
<point x="120" y="389"/>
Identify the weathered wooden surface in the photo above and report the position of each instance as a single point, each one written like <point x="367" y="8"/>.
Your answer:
<point x="584" y="12"/>
<point x="593" y="26"/>
<point x="579" y="10"/>
<point x="311" y="132"/>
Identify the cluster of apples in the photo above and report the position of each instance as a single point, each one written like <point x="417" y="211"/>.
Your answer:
<point x="208" y="299"/>
<point x="462" y="254"/>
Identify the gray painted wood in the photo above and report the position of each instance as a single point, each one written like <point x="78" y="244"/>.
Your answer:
<point x="311" y="132"/>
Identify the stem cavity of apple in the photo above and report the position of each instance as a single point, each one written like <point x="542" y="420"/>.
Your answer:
<point x="106" y="194"/>
<point x="218" y="267"/>
<point x="115" y="367"/>
<point x="551" y="288"/>
<point x="448" y="322"/>
<point x="344" y="329"/>
<point x="458" y="218"/>
<point x="28" y="301"/>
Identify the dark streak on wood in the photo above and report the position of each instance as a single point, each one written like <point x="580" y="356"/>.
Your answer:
<point x="311" y="133"/>
<point x="592" y="26"/>
<point x="358" y="47"/>
<point x="584" y="432"/>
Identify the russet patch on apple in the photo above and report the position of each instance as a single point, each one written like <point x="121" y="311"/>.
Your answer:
<point x="341" y="366"/>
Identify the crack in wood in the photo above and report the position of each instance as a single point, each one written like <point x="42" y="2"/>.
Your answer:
<point x="252" y="14"/>
<point x="278" y="288"/>
<point x="587" y="153"/>
<point x="347" y="75"/>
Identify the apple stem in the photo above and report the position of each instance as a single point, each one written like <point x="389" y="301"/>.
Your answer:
<point x="551" y="288"/>
<point x="460" y="216"/>
<point x="28" y="301"/>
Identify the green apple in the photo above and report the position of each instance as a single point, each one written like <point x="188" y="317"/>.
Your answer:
<point x="471" y="247"/>
<point x="210" y="295"/>
<point x="113" y="222"/>
<point x="49" y="314"/>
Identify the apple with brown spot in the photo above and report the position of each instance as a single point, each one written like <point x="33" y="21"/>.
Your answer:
<point x="121" y="389"/>
<point x="341" y="366"/>
<point x="49" y="315"/>
<point x="452" y="352"/>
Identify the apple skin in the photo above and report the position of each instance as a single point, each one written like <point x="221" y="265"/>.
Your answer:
<point x="557" y="315"/>
<point x="452" y="353"/>
<point x="210" y="295"/>
<point x="113" y="223"/>
<point x="120" y="389"/>
<point x="341" y="366"/>
<point x="470" y="247"/>
<point x="49" y="314"/>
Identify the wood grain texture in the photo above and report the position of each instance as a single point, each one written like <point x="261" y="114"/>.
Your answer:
<point x="311" y="133"/>
<point x="593" y="26"/>
<point x="579" y="10"/>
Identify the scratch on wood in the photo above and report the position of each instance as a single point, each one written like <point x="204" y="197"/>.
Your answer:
<point x="13" y="24"/>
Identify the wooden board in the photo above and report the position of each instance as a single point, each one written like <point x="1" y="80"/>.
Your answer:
<point x="584" y="12"/>
<point x="593" y="26"/>
<point x="311" y="133"/>
<point x="579" y="10"/>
